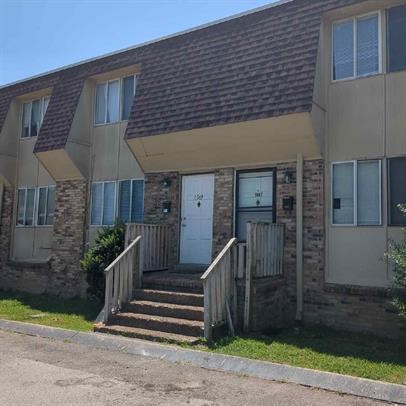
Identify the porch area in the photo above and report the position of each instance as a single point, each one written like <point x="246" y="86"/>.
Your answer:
<point x="148" y="296"/>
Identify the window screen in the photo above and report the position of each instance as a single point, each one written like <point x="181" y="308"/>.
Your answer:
<point x="100" y="114"/>
<point x="369" y="193"/>
<point x="26" y="120"/>
<point x="397" y="191"/>
<point x="396" y="27"/>
<point x="255" y="199"/>
<point x="113" y="97"/>
<point x="343" y="50"/>
<point x="97" y="203"/>
<point x="343" y="193"/>
<point x="35" y="118"/>
<point x="367" y="45"/>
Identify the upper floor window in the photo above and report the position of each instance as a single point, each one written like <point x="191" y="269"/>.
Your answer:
<point x="33" y="115"/>
<point x="356" y="47"/>
<point x="356" y="193"/>
<point x="396" y="32"/>
<point x="35" y="206"/>
<point x="114" y="100"/>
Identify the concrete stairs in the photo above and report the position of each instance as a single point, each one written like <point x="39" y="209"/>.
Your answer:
<point x="166" y="312"/>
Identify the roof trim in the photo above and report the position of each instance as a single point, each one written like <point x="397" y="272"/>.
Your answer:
<point x="165" y="37"/>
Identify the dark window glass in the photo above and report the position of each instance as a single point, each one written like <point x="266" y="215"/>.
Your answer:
<point x="397" y="191"/>
<point x="137" y="201"/>
<point x="255" y="199"/>
<point x="396" y="38"/>
<point x="125" y="201"/>
<point x="127" y="96"/>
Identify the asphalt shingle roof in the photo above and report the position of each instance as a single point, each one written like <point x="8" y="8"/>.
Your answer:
<point x="255" y="66"/>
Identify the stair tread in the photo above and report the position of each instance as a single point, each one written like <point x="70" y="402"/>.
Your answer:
<point x="161" y="319"/>
<point x="170" y="292"/>
<point x="146" y="334"/>
<point x="165" y="304"/>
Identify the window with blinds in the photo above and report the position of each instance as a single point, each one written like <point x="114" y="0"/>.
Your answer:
<point x="103" y="203"/>
<point x="356" y="47"/>
<point x="35" y="206"/>
<point x="356" y="193"/>
<point x="123" y="199"/>
<point x="113" y="100"/>
<point x="33" y="113"/>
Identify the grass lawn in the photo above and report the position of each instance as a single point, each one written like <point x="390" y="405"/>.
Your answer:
<point x="74" y="314"/>
<point x="323" y="349"/>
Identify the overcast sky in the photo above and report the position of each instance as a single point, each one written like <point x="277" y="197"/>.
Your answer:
<point x="40" y="35"/>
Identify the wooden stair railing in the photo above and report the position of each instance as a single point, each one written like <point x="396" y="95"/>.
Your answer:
<point x="220" y="290"/>
<point x="156" y="244"/>
<point x="122" y="276"/>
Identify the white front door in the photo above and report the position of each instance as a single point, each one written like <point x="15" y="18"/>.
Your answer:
<point x="196" y="219"/>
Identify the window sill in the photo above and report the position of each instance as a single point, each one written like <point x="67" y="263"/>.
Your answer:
<point x="334" y="81"/>
<point x="109" y="124"/>
<point x="30" y="263"/>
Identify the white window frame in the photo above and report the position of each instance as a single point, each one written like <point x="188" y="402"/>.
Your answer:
<point x="355" y="186"/>
<point x="41" y="114"/>
<point x="46" y="205"/>
<point x="120" y="101"/>
<point x="380" y="43"/>
<point x="26" y="188"/>
<point x="102" y="203"/>
<point x="116" y="199"/>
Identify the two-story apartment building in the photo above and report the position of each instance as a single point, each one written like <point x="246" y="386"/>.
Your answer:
<point x="292" y="113"/>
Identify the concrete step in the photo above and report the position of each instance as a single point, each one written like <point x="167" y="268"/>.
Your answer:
<point x="151" y="335"/>
<point x="173" y="281"/>
<point x="165" y="296"/>
<point x="165" y="309"/>
<point x="159" y="323"/>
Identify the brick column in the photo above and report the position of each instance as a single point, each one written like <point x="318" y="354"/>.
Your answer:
<point x="288" y="217"/>
<point x="156" y="193"/>
<point x="6" y="219"/>
<point x="69" y="238"/>
<point x="223" y="211"/>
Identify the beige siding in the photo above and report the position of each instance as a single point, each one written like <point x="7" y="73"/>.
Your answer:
<point x="366" y="120"/>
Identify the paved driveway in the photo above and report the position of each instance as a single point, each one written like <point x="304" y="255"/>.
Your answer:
<point x="38" y="371"/>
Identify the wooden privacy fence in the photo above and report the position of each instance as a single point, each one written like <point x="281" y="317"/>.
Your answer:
<point x="265" y="245"/>
<point x="155" y="244"/>
<point x="265" y="249"/>
<point x="220" y="289"/>
<point x="122" y="276"/>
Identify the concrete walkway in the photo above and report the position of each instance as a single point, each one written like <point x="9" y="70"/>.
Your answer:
<point x="257" y="369"/>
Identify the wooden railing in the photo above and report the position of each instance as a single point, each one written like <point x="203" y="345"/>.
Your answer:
<point x="155" y="244"/>
<point x="220" y="289"/>
<point x="122" y="276"/>
<point x="265" y="245"/>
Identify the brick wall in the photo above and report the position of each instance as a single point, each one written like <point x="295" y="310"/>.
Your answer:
<point x="61" y="275"/>
<point x="223" y="210"/>
<point x="6" y="218"/>
<point x="156" y="193"/>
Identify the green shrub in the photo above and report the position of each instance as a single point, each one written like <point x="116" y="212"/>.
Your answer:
<point x="108" y="246"/>
<point x="397" y="256"/>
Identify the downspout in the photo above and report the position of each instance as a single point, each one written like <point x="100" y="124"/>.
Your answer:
<point x="299" y="238"/>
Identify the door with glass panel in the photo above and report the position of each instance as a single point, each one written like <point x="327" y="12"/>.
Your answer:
<point x="255" y="199"/>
